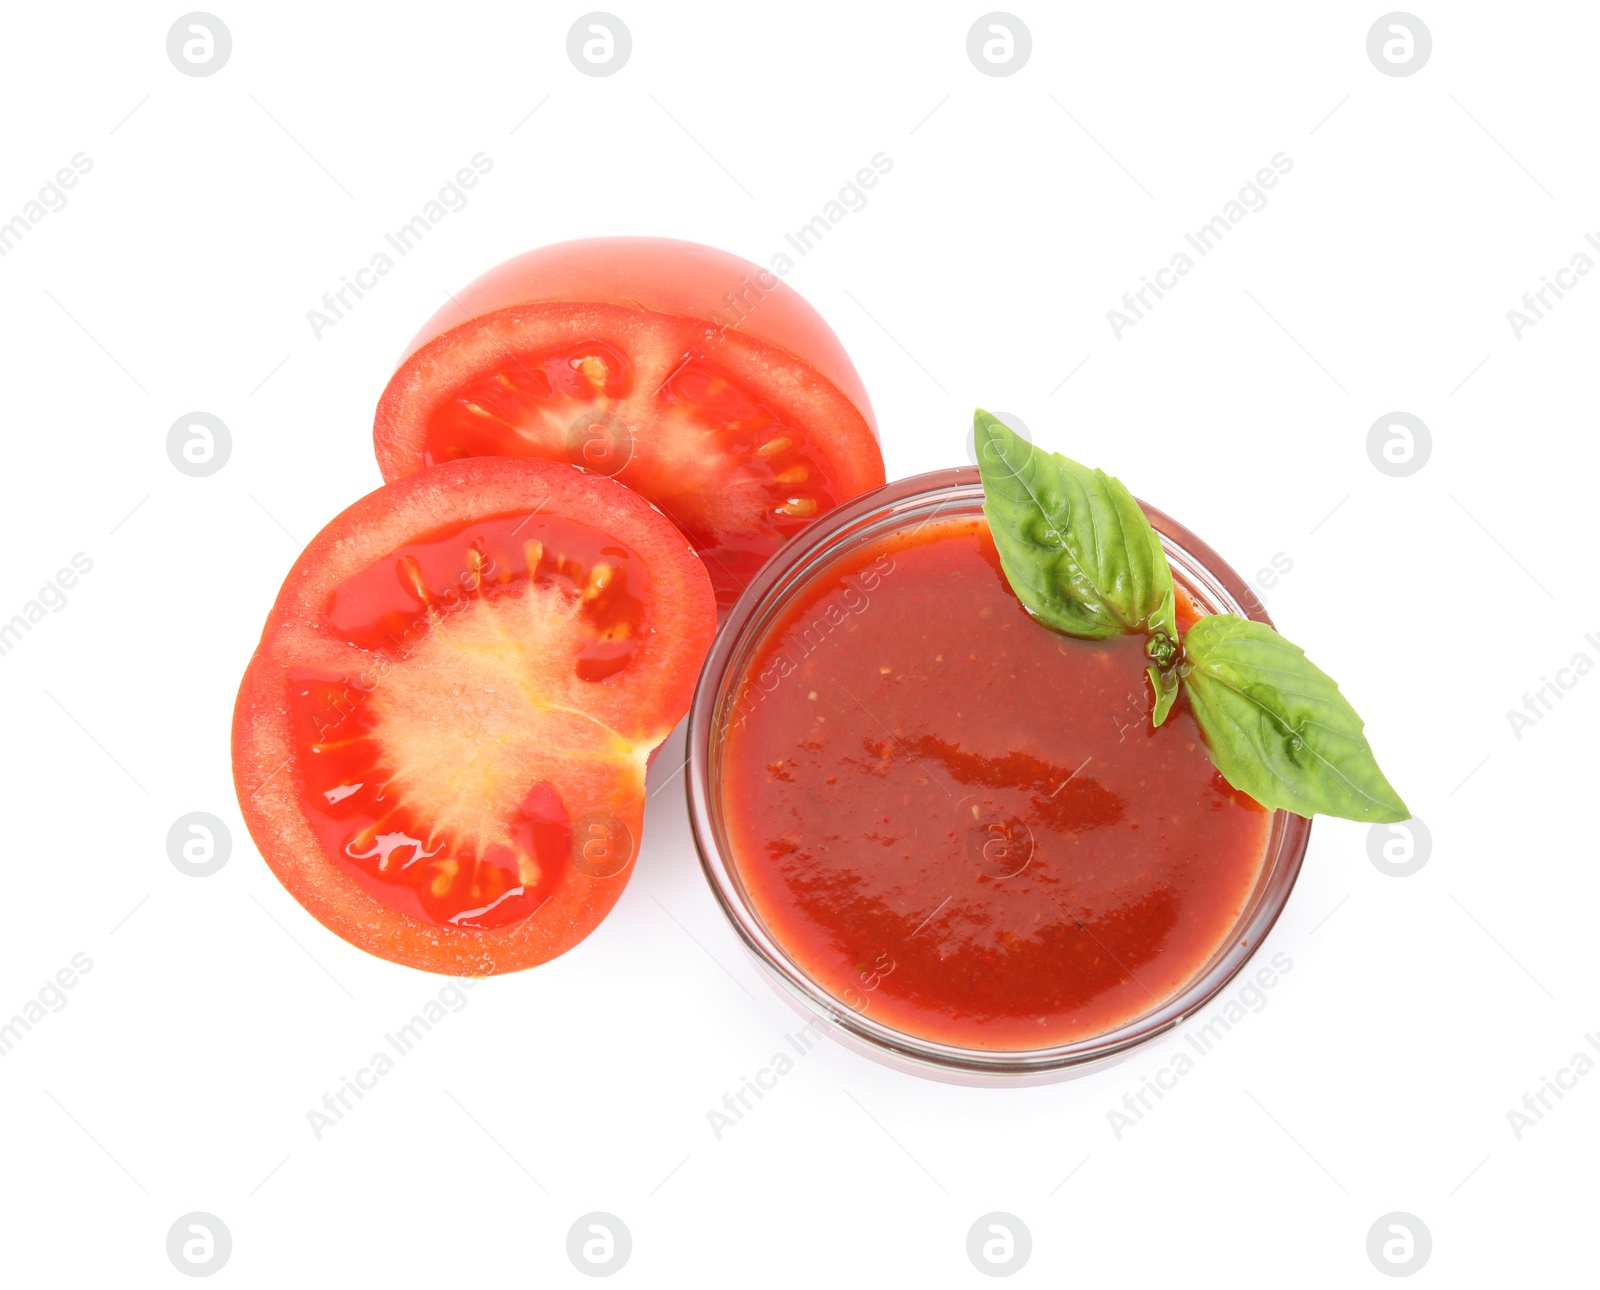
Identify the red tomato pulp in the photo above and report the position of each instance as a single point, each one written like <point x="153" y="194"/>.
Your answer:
<point x="440" y="743"/>
<point x="696" y="378"/>
<point x="962" y="822"/>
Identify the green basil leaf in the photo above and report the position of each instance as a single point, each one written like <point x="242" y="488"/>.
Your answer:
<point x="1277" y="726"/>
<point x="1074" y="545"/>
<point x="1164" y="686"/>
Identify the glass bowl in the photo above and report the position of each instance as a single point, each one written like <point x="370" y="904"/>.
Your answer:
<point x="1211" y="585"/>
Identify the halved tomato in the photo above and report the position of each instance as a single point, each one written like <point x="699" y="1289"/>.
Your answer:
<point x="692" y="376"/>
<point x="440" y="743"/>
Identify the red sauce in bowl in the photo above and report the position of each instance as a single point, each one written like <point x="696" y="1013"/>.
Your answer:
<point x="961" y="822"/>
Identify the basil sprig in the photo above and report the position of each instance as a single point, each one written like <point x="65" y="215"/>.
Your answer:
<point x="1084" y="560"/>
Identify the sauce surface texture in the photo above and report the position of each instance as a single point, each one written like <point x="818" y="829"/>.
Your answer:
<point x="961" y="822"/>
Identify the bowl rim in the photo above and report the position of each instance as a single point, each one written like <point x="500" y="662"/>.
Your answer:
<point x="864" y="518"/>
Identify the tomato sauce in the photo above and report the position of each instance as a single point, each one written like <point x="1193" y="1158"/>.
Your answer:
<point x="961" y="822"/>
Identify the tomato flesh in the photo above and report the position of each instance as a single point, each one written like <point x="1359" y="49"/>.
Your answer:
<point x="471" y="862"/>
<point x="441" y="743"/>
<point x="736" y="474"/>
<point x="397" y="859"/>
<point x="384" y="606"/>
<point x="696" y="378"/>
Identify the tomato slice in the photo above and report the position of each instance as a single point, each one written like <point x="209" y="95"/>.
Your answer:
<point x="692" y="376"/>
<point x="440" y="744"/>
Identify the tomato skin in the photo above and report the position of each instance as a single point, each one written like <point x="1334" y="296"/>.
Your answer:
<point x="642" y="704"/>
<point x="665" y="276"/>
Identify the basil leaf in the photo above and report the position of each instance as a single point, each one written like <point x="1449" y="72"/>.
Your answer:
<point x="1164" y="686"/>
<point x="1074" y="545"/>
<point x="1277" y="726"/>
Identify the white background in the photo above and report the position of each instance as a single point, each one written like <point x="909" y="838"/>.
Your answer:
<point x="1418" y="1011"/>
